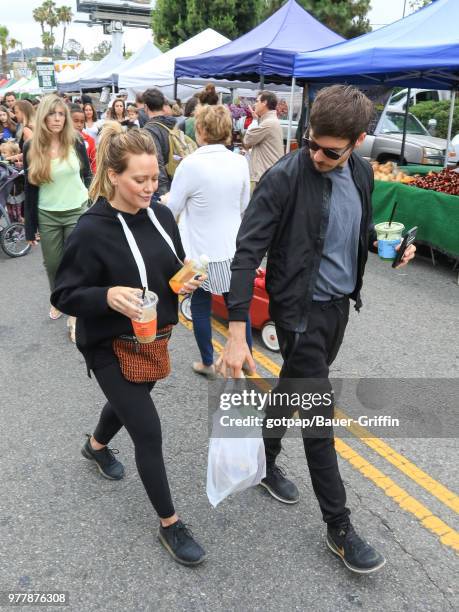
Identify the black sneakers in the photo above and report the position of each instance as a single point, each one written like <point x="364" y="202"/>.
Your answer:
<point x="279" y="486"/>
<point x="105" y="460"/>
<point x="356" y="554"/>
<point x="179" y="542"/>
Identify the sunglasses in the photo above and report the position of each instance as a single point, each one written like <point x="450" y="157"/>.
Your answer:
<point x="330" y="153"/>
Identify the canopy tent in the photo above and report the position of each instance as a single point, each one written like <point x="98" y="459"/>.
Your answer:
<point x="146" y="53"/>
<point x="9" y="85"/>
<point x="31" y="86"/>
<point x="421" y="50"/>
<point x="95" y="75"/>
<point x="268" y="49"/>
<point x="68" y="79"/>
<point x="159" y="72"/>
<point x="13" y="85"/>
<point x="104" y="73"/>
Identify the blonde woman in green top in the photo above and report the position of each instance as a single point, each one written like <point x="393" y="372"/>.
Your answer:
<point x="57" y="177"/>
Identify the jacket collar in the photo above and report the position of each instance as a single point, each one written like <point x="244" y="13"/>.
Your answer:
<point x="269" y="115"/>
<point x="214" y="148"/>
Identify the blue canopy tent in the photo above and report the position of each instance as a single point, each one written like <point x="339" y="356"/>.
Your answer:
<point x="421" y="50"/>
<point x="267" y="50"/>
<point x="265" y="53"/>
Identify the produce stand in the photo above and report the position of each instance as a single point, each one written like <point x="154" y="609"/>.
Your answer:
<point x="436" y="214"/>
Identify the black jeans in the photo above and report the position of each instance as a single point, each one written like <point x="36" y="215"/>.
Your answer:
<point x="309" y="355"/>
<point x="130" y="405"/>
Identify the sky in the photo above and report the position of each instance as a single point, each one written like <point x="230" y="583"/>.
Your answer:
<point x="18" y="20"/>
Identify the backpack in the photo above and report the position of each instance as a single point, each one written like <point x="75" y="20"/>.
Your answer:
<point x="180" y="145"/>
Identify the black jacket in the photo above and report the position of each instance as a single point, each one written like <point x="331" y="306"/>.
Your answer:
<point x="288" y="217"/>
<point x="31" y="191"/>
<point x="97" y="257"/>
<point x="161" y="138"/>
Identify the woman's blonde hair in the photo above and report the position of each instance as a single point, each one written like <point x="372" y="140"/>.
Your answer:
<point x="115" y="147"/>
<point x="214" y="123"/>
<point x="39" y="157"/>
<point x="28" y="110"/>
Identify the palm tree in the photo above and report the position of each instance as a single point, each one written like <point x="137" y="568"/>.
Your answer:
<point x="48" y="40"/>
<point x="65" y="16"/>
<point x="6" y="43"/>
<point x="40" y="15"/>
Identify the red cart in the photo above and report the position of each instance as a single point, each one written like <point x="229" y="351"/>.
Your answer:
<point x="259" y="311"/>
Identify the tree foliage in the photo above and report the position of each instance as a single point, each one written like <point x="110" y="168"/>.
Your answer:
<point x="6" y="42"/>
<point x="102" y="49"/>
<point x="439" y="111"/>
<point x="50" y="16"/>
<point x="174" y="21"/>
<point x="345" y="17"/>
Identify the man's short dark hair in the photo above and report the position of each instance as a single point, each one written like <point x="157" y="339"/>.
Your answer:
<point x="341" y="111"/>
<point x="270" y="98"/>
<point x="153" y="99"/>
<point x="10" y="93"/>
<point x="139" y="98"/>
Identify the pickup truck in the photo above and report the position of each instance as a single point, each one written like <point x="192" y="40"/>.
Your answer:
<point x="384" y="141"/>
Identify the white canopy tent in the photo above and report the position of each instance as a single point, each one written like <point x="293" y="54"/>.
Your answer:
<point x="104" y="73"/>
<point x="96" y="75"/>
<point x="70" y="76"/>
<point x="145" y="54"/>
<point x="159" y="72"/>
<point x="31" y="87"/>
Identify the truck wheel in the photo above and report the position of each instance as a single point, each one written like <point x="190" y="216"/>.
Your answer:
<point x="269" y="336"/>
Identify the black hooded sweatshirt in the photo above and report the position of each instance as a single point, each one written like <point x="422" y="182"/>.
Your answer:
<point x="97" y="257"/>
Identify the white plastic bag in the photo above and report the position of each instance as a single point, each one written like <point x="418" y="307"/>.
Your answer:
<point x="234" y="464"/>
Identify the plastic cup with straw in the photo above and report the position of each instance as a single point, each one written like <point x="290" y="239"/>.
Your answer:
<point x="146" y="326"/>
<point x="389" y="236"/>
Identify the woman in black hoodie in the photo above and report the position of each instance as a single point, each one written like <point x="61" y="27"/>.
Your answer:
<point x="98" y="281"/>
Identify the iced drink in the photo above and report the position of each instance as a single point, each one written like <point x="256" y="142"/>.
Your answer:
<point x="188" y="272"/>
<point x="389" y="236"/>
<point x="145" y="327"/>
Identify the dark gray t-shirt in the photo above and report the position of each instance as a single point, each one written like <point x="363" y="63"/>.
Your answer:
<point x="338" y="266"/>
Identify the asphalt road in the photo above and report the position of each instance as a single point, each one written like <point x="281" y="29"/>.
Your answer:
<point x="64" y="528"/>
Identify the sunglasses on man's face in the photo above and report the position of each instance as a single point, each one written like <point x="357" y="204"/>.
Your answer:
<point x="330" y="153"/>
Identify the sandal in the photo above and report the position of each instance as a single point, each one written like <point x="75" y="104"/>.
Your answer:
<point x="207" y="371"/>
<point x="54" y="313"/>
<point x="71" y="325"/>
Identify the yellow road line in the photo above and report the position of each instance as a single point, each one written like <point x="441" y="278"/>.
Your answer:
<point x="447" y="535"/>
<point x="442" y="493"/>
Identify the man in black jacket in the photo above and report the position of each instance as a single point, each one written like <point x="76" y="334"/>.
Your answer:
<point x="157" y="125"/>
<point x="312" y="213"/>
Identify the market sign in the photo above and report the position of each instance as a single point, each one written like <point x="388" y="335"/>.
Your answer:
<point x="46" y="76"/>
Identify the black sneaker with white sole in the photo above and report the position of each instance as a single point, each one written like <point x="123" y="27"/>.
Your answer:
<point x="356" y="554"/>
<point x="280" y="487"/>
<point x="178" y="540"/>
<point x="105" y="460"/>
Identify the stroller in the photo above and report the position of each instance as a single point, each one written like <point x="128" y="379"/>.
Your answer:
<point x="12" y="231"/>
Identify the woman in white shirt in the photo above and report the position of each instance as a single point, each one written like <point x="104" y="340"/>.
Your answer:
<point x="210" y="191"/>
<point x="92" y="125"/>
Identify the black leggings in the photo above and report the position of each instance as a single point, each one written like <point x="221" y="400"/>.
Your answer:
<point x="130" y="404"/>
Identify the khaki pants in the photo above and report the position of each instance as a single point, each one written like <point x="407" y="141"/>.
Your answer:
<point x="253" y="184"/>
<point x="55" y="228"/>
